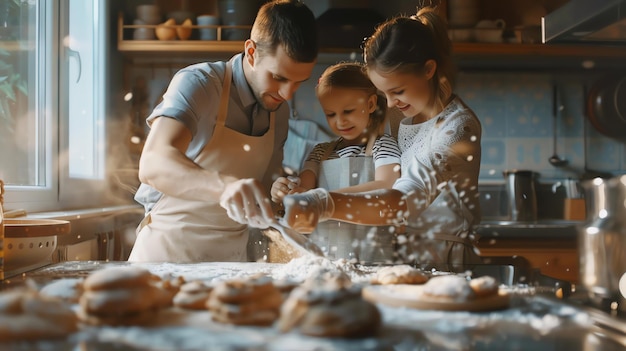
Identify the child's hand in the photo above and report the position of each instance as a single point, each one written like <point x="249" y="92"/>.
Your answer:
<point x="303" y="211"/>
<point x="283" y="186"/>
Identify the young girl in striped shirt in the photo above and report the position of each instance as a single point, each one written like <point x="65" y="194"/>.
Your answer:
<point x="355" y="112"/>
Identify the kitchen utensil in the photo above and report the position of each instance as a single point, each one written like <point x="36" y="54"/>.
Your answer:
<point x="520" y="188"/>
<point x="404" y="295"/>
<point x="606" y="105"/>
<point x="297" y="240"/>
<point x="29" y="243"/>
<point x="573" y="204"/>
<point x="602" y="238"/>
<point x="587" y="172"/>
<point x="555" y="159"/>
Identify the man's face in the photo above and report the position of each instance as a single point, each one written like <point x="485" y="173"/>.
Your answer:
<point x="274" y="78"/>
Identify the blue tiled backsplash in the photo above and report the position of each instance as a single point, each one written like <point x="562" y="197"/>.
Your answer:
<point x="515" y="109"/>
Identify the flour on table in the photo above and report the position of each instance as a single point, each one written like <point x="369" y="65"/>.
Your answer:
<point x="301" y="268"/>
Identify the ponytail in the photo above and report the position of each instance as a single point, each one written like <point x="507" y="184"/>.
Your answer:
<point x="442" y="81"/>
<point x="405" y="44"/>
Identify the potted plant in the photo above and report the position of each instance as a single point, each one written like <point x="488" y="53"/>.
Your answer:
<point x="12" y="86"/>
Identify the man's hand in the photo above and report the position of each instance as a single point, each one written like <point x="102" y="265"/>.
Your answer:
<point x="245" y="202"/>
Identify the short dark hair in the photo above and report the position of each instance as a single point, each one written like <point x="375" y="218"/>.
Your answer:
<point x="289" y="23"/>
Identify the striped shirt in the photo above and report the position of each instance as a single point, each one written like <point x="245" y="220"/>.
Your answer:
<point x="385" y="151"/>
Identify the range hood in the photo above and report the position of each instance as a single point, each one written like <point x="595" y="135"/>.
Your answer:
<point x="586" y="21"/>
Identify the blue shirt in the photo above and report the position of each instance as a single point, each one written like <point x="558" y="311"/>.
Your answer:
<point x="193" y="98"/>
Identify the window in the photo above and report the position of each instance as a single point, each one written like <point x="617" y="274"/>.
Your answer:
<point x="52" y="82"/>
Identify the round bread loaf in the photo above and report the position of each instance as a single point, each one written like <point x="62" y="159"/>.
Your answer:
<point x="328" y="305"/>
<point x="399" y="274"/>
<point x="28" y="315"/>
<point x="247" y="301"/>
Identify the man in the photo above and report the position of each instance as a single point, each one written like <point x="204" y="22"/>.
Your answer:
<point x="216" y="141"/>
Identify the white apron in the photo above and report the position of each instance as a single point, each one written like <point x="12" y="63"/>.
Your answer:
<point x="367" y="244"/>
<point x="179" y="230"/>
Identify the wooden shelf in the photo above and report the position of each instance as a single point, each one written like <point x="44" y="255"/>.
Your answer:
<point x="168" y="48"/>
<point x="467" y="55"/>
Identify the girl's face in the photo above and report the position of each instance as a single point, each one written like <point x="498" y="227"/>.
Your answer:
<point x="348" y="112"/>
<point x="408" y="92"/>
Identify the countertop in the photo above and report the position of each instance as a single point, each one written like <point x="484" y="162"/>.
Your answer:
<point x="541" y="229"/>
<point x="532" y="322"/>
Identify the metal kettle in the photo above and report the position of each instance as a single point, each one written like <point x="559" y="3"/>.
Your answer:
<point x="520" y="188"/>
<point x="602" y="239"/>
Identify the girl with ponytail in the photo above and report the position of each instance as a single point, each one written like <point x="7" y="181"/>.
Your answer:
<point x="408" y="58"/>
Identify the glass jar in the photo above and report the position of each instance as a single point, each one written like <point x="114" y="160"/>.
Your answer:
<point x="602" y="239"/>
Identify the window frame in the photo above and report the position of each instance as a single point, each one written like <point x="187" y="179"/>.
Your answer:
<point x="57" y="190"/>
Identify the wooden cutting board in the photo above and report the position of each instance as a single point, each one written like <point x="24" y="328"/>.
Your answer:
<point x="412" y="296"/>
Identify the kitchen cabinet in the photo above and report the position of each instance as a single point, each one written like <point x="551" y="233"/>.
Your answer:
<point x="554" y="257"/>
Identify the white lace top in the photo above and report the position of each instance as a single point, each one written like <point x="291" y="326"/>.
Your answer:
<point x="445" y="148"/>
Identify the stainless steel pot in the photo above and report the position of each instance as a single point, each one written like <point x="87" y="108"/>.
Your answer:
<point x="602" y="238"/>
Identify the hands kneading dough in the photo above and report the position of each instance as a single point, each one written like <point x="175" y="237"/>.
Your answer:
<point x="245" y="202"/>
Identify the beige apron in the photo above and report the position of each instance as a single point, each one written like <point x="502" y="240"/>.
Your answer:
<point x="367" y="244"/>
<point x="199" y="231"/>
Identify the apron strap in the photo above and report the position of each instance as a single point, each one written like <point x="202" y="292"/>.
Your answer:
<point x="223" y="109"/>
<point x="370" y="144"/>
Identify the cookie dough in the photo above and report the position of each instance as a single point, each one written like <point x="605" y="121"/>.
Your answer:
<point x="123" y="296"/>
<point x="246" y="301"/>
<point x="451" y="286"/>
<point x="193" y="295"/>
<point x="328" y="305"/>
<point x="399" y="274"/>
<point x="484" y="286"/>
<point x="26" y="314"/>
<point x="68" y="289"/>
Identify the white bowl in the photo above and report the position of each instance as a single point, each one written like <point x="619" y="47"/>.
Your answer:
<point x="488" y="35"/>
<point x="461" y="34"/>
